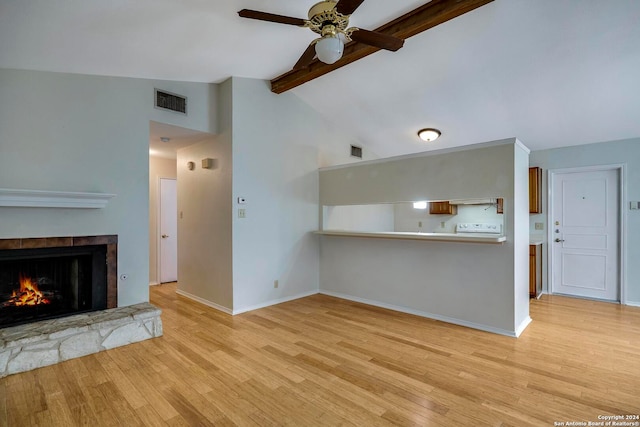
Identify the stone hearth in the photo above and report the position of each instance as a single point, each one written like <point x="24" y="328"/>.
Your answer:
<point x="38" y="344"/>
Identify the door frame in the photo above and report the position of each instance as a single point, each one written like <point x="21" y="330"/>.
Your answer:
<point x="159" y="225"/>
<point x="622" y="221"/>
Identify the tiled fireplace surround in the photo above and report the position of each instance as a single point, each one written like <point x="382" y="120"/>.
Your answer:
<point x="42" y="343"/>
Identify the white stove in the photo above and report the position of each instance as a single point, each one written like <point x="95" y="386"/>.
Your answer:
<point x="475" y="228"/>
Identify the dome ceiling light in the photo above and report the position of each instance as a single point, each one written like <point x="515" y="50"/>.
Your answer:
<point x="429" y="134"/>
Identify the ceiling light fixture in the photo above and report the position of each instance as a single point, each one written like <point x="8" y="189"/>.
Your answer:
<point x="429" y="134"/>
<point x="165" y="139"/>
<point x="329" y="49"/>
<point x="330" y="46"/>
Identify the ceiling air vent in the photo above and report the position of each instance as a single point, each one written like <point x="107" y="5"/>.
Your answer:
<point x="171" y="101"/>
<point x="356" y="151"/>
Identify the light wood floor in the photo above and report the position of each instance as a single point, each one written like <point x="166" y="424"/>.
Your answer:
<point x="322" y="361"/>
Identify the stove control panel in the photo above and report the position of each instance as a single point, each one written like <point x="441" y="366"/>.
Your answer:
<point x="473" y="227"/>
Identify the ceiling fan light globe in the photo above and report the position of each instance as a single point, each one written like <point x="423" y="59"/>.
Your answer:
<point x="329" y="49"/>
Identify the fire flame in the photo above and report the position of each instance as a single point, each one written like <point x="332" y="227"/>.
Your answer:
<point x="29" y="294"/>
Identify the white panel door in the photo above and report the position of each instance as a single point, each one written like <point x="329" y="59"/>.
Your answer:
<point x="585" y="234"/>
<point x="168" y="231"/>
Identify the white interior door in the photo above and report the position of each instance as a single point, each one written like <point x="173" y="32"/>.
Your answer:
<point x="584" y="234"/>
<point x="168" y="231"/>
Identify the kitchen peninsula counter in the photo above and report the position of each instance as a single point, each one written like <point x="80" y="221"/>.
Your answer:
<point x="442" y="237"/>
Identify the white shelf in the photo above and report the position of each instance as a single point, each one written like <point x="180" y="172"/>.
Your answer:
<point x="52" y="199"/>
<point x="442" y="237"/>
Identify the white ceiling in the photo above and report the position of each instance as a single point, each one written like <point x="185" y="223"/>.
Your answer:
<point x="178" y="137"/>
<point x="550" y="72"/>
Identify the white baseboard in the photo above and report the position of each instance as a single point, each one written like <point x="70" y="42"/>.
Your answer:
<point x="401" y="309"/>
<point x="520" y="329"/>
<point x="629" y="303"/>
<point x="244" y="309"/>
<point x="154" y="283"/>
<point x="204" y="301"/>
<point x="274" y="302"/>
<point x="428" y="315"/>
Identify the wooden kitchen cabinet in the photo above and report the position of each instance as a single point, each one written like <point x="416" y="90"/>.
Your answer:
<point x="442" y="208"/>
<point x="535" y="270"/>
<point x="535" y="189"/>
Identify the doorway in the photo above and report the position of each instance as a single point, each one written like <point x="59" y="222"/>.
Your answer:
<point x="168" y="231"/>
<point x="585" y="232"/>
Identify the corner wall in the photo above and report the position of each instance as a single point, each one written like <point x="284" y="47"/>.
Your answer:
<point x="205" y="237"/>
<point x="204" y="224"/>
<point x="277" y="142"/>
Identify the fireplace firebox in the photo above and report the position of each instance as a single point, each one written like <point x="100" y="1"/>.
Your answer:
<point x="55" y="277"/>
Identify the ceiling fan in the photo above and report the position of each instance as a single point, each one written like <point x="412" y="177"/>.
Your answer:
<point x="330" y="19"/>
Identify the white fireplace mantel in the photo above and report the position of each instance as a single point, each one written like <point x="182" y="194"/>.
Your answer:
<point x="52" y="199"/>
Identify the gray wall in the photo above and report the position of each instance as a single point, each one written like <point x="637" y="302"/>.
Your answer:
<point x="276" y="154"/>
<point x="89" y="134"/>
<point x="625" y="152"/>
<point x="483" y="286"/>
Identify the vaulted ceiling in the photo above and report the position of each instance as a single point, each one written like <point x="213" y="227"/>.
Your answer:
<point x="550" y="72"/>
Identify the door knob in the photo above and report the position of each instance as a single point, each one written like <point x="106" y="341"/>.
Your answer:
<point x="559" y="240"/>
<point x="164" y="236"/>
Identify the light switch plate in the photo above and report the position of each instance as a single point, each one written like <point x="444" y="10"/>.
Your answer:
<point x="242" y="213"/>
<point x="634" y="206"/>
<point x="242" y="200"/>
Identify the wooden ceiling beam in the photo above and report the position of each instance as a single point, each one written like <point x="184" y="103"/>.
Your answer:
<point x="418" y="20"/>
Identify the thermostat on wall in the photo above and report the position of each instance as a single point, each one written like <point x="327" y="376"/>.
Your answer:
<point x="242" y="200"/>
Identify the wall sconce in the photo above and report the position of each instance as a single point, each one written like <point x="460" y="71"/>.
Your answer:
<point x="209" y="163"/>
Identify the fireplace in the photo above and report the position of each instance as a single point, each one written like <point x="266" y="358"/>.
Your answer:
<point x="54" y="277"/>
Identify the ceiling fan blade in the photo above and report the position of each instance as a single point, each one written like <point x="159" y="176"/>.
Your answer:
<point x="375" y="39"/>
<point x="271" y="17"/>
<point x="306" y="57"/>
<point x="347" y="7"/>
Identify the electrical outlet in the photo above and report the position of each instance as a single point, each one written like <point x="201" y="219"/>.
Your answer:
<point x="420" y="224"/>
<point x="242" y="213"/>
<point x="442" y="224"/>
<point x="539" y="226"/>
<point x="276" y="284"/>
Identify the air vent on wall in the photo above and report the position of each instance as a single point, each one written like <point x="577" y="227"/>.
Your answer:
<point x="356" y="151"/>
<point x="171" y="101"/>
